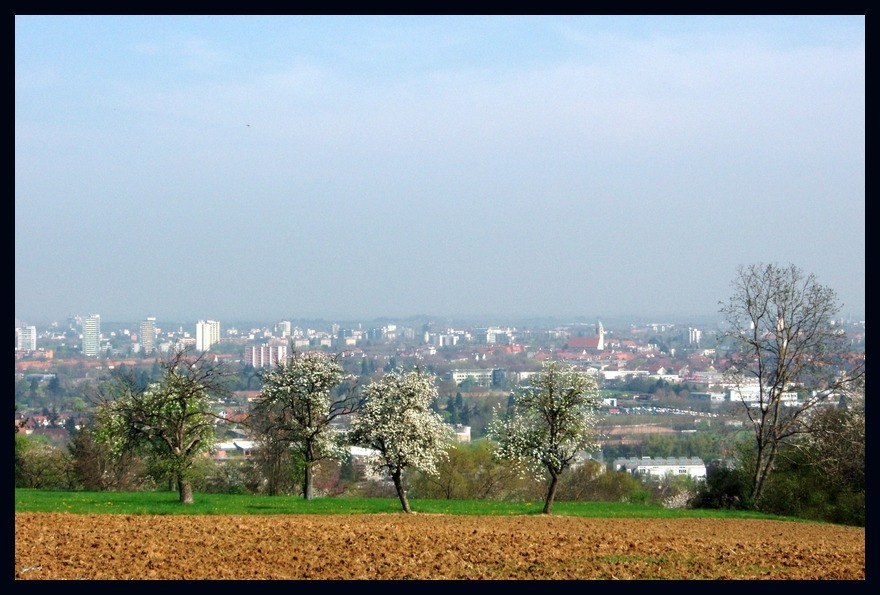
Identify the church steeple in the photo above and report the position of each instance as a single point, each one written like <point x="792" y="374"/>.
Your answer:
<point x="600" y="332"/>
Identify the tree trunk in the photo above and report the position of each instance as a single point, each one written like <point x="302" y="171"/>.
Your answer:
<point x="186" y="491"/>
<point x="307" y="482"/>
<point x="551" y="493"/>
<point x="272" y="473"/>
<point x="401" y="493"/>
<point x="765" y="459"/>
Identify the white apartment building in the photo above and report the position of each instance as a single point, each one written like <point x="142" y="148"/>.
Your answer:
<point x="480" y="377"/>
<point x="207" y="334"/>
<point x="264" y="356"/>
<point x="284" y="329"/>
<point x="91" y="334"/>
<point x="148" y="334"/>
<point x="26" y="338"/>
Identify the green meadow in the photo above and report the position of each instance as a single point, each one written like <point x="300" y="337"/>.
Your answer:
<point x="167" y="503"/>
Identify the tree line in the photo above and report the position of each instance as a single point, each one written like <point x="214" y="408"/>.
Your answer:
<point x="310" y="413"/>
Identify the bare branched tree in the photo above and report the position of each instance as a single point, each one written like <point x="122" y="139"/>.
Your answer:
<point x="785" y="340"/>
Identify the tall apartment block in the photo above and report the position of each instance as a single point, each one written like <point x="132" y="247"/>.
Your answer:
<point x="148" y="334"/>
<point x="207" y="334"/>
<point x="264" y="356"/>
<point x="91" y="331"/>
<point x="26" y="338"/>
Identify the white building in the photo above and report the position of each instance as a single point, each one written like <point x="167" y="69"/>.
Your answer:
<point x="658" y="468"/>
<point x="751" y="396"/>
<point x="91" y="328"/>
<point x="26" y="338"/>
<point x="222" y="450"/>
<point x="480" y="377"/>
<point x="284" y="328"/>
<point x="264" y="356"/>
<point x="148" y="334"/>
<point x="207" y="334"/>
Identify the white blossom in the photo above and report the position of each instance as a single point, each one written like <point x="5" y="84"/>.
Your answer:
<point x="551" y="422"/>
<point x="397" y="422"/>
<point x="296" y="407"/>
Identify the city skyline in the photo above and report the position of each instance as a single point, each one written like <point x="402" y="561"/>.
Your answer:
<point x="359" y="168"/>
<point x="694" y="326"/>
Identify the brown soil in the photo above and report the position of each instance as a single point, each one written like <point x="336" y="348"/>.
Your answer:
<point x="428" y="546"/>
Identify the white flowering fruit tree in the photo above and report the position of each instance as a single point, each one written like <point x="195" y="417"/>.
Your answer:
<point x="549" y="423"/>
<point x="397" y="423"/>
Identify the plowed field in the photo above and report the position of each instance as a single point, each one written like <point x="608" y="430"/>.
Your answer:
<point x="428" y="546"/>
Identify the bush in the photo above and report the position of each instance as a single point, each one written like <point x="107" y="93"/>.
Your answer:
<point x="40" y="465"/>
<point x="724" y="488"/>
<point x="471" y="472"/>
<point x="640" y="496"/>
<point x="588" y="483"/>
<point x="673" y="491"/>
<point x="224" y="477"/>
<point x="799" y="488"/>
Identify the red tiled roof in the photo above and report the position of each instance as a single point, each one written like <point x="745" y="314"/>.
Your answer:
<point x="583" y="343"/>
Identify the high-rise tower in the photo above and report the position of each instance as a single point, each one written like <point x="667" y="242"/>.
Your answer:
<point x="148" y="334"/>
<point x="26" y="338"/>
<point x="91" y="330"/>
<point x="207" y="334"/>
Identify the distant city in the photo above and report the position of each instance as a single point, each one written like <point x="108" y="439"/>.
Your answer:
<point x="656" y="368"/>
<point x="594" y="342"/>
<point x="92" y="337"/>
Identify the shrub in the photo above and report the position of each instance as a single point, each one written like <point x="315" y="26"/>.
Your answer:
<point x="724" y="488"/>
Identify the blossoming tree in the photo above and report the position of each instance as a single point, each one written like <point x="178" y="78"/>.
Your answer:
<point x="550" y="422"/>
<point x="398" y="424"/>
<point x="296" y="409"/>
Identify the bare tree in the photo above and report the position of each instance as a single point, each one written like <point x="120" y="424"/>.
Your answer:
<point x="96" y="469"/>
<point x="836" y="443"/>
<point x="171" y="421"/>
<point x="781" y="322"/>
<point x="272" y="453"/>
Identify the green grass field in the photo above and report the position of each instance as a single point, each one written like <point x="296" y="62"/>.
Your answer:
<point x="167" y="503"/>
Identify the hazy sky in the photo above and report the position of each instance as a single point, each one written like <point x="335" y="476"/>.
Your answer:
<point x="262" y="168"/>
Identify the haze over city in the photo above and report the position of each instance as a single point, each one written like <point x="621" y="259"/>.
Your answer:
<point x="356" y="167"/>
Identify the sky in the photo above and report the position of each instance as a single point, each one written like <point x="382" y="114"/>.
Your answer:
<point x="358" y="167"/>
